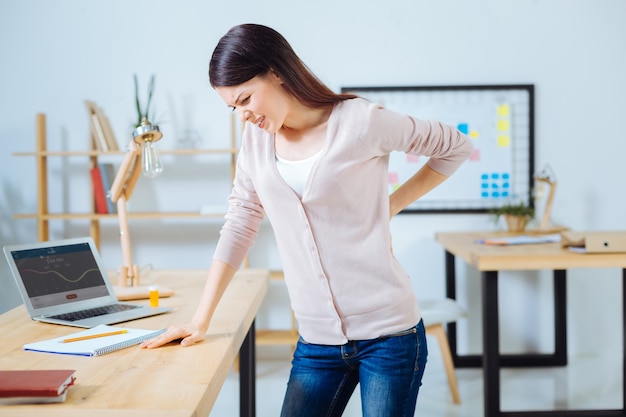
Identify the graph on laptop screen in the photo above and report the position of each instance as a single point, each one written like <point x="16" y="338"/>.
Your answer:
<point x="60" y="275"/>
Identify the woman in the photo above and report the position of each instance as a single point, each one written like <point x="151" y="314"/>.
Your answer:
<point x="315" y="163"/>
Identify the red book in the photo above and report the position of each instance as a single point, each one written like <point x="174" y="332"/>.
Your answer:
<point x="99" y="192"/>
<point x="34" y="386"/>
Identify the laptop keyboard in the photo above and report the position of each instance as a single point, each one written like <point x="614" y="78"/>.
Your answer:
<point x="94" y="312"/>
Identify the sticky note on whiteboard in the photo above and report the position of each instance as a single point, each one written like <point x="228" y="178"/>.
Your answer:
<point x="503" y="110"/>
<point x="504" y="141"/>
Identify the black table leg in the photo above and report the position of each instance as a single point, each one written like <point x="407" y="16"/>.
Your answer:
<point x="492" y="361"/>
<point x="558" y="358"/>
<point x="450" y="269"/>
<point x="624" y="341"/>
<point x="491" y="344"/>
<point x="247" y="375"/>
<point x="560" y="318"/>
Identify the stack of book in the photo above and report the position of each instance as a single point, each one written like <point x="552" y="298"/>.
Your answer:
<point x="35" y="386"/>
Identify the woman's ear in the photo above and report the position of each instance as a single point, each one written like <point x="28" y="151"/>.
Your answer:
<point x="275" y="76"/>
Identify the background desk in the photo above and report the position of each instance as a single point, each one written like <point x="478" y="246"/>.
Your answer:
<point x="170" y="381"/>
<point x="491" y="259"/>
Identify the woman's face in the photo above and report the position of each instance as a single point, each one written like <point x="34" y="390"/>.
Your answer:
<point x="261" y="100"/>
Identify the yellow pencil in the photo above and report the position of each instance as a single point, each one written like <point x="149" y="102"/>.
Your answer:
<point x="93" y="336"/>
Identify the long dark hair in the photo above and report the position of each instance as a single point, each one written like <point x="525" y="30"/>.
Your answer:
<point x="249" y="50"/>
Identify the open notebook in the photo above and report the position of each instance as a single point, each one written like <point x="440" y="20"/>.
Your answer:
<point x="92" y="345"/>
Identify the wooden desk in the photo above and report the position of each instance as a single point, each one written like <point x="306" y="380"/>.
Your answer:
<point x="170" y="381"/>
<point x="491" y="259"/>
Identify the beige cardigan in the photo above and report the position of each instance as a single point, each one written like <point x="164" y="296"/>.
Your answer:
<point x="343" y="281"/>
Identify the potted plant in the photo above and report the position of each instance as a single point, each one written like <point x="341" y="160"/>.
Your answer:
<point x="516" y="216"/>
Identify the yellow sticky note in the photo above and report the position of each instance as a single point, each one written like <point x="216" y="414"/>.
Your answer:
<point x="503" y="110"/>
<point x="473" y="134"/>
<point x="504" y="141"/>
<point x="503" y="125"/>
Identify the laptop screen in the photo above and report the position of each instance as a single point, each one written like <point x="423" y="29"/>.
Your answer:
<point x="60" y="274"/>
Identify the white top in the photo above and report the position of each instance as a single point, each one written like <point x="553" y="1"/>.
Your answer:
<point x="296" y="173"/>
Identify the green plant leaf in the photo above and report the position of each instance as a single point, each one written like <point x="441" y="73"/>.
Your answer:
<point x="150" y="92"/>
<point x="137" y="103"/>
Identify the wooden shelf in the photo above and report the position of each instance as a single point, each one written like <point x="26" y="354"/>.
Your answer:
<point x="269" y="337"/>
<point x="133" y="215"/>
<point x="277" y="275"/>
<point x="42" y="154"/>
<point x="95" y="153"/>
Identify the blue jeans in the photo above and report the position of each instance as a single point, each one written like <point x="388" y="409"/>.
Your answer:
<point x="389" y="369"/>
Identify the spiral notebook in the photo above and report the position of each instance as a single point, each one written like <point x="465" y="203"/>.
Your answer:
<point x="96" y="341"/>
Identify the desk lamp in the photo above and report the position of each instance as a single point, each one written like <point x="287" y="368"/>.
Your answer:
<point x="141" y="156"/>
<point x="546" y="176"/>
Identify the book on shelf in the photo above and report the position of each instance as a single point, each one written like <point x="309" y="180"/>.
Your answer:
<point x="96" y="341"/>
<point x="97" y="133"/>
<point x="107" y="172"/>
<point x="101" y="131"/>
<point x="109" y="136"/>
<point x="35" y="385"/>
<point x="99" y="193"/>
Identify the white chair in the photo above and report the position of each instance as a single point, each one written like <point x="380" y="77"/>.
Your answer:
<point x="435" y="314"/>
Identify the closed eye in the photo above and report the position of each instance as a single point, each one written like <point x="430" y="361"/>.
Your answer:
<point x="242" y="102"/>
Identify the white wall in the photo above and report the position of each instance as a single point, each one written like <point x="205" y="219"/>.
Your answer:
<point x="56" y="54"/>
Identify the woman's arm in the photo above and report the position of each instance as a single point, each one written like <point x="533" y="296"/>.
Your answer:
<point x="414" y="188"/>
<point x="218" y="278"/>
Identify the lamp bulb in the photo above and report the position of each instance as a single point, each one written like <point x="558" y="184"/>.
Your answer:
<point x="151" y="160"/>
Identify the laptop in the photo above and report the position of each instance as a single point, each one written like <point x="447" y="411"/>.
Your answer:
<point x="63" y="282"/>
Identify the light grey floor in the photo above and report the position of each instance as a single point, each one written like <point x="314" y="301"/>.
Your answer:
<point x="587" y="383"/>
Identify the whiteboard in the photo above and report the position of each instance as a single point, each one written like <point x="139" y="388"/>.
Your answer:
<point x="499" y="121"/>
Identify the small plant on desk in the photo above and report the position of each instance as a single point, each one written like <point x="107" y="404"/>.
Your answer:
<point x="516" y="216"/>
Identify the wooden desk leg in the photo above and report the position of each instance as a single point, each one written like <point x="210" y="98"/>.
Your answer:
<point x="491" y="344"/>
<point x="247" y="375"/>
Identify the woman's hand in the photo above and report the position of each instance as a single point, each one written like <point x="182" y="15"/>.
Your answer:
<point x="189" y="333"/>
<point x="219" y="276"/>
